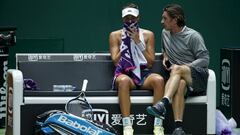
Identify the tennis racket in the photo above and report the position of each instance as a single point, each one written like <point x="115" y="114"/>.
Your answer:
<point x="77" y="105"/>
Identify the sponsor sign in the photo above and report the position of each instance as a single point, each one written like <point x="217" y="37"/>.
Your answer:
<point x="3" y="83"/>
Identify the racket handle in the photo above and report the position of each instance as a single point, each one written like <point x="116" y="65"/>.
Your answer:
<point x="84" y="86"/>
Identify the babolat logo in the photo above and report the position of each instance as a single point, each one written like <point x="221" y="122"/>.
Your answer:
<point x="74" y="124"/>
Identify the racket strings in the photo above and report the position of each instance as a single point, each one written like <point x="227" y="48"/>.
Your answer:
<point x="80" y="108"/>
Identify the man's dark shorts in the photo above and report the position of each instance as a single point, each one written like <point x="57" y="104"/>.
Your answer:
<point x="199" y="80"/>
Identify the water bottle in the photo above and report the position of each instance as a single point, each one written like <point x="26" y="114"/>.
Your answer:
<point x="63" y="88"/>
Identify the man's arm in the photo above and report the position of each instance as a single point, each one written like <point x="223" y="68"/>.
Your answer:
<point x="200" y="51"/>
<point x="114" y="47"/>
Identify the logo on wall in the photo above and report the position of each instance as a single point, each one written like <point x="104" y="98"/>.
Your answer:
<point x="33" y="57"/>
<point x="82" y="57"/>
<point x="225" y="73"/>
<point x="3" y="91"/>
<point x="42" y="57"/>
<point x="115" y="119"/>
<point x="101" y="115"/>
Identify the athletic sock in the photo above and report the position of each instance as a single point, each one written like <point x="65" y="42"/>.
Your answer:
<point x="178" y="123"/>
<point x="165" y="101"/>
<point x="157" y="122"/>
<point x="126" y="121"/>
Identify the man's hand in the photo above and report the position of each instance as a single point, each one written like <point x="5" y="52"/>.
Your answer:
<point x="166" y="63"/>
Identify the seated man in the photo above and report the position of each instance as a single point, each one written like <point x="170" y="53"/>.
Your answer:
<point x="132" y="51"/>
<point x="185" y="65"/>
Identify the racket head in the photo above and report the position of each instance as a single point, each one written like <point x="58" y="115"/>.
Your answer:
<point x="79" y="107"/>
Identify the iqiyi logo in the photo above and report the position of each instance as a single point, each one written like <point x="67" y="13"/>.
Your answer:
<point x="82" y="57"/>
<point x="101" y="115"/>
<point x="33" y="57"/>
<point x="78" y="57"/>
<point x="74" y="124"/>
<point x="225" y="74"/>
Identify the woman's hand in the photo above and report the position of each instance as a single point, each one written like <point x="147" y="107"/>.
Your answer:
<point x="134" y="35"/>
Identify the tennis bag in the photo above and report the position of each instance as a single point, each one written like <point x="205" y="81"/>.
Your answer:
<point x="56" y="122"/>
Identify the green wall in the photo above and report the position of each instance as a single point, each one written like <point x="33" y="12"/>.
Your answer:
<point x="84" y="26"/>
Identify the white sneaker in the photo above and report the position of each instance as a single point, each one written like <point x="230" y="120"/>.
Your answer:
<point x="158" y="130"/>
<point x="127" y="130"/>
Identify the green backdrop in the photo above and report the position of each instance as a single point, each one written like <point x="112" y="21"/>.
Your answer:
<point x="84" y="25"/>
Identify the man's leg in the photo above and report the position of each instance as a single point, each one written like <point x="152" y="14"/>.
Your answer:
<point x="178" y="105"/>
<point x="172" y="85"/>
<point x="177" y="73"/>
<point x="156" y="83"/>
<point x="124" y="85"/>
<point x="178" y="102"/>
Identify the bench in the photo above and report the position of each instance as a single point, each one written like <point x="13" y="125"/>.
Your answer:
<point x="50" y="69"/>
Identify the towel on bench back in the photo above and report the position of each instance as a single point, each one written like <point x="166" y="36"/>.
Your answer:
<point x="132" y="59"/>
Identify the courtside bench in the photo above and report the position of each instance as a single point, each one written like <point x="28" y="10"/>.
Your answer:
<point x="50" y="69"/>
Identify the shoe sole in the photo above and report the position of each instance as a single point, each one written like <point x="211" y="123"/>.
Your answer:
<point x="151" y="111"/>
